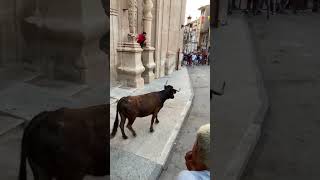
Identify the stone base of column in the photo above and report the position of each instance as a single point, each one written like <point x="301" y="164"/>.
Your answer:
<point x="65" y="45"/>
<point x="148" y="63"/>
<point x="131" y="68"/>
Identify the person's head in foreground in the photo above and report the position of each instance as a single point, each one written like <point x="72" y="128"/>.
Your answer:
<point x="197" y="160"/>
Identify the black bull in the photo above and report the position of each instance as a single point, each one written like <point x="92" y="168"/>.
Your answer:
<point x="67" y="144"/>
<point x="131" y="107"/>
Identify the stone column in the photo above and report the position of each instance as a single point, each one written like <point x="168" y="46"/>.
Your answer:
<point x="114" y="39"/>
<point x="131" y="67"/>
<point x="69" y="34"/>
<point x="148" y="51"/>
<point x="132" y="16"/>
<point x="129" y="53"/>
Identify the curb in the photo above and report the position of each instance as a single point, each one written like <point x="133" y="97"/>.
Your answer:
<point x="186" y="114"/>
<point x="243" y="151"/>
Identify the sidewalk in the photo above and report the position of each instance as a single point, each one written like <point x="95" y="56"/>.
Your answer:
<point x="143" y="157"/>
<point x="237" y="115"/>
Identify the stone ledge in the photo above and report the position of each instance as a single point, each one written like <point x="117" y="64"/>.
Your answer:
<point x="69" y="29"/>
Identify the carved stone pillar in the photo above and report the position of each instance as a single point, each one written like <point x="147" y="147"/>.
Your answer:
<point x="131" y="67"/>
<point x="148" y="51"/>
<point x="129" y="53"/>
<point x="68" y="33"/>
<point x="132" y="16"/>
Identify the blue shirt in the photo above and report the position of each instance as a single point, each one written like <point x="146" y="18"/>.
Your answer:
<point x="194" y="175"/>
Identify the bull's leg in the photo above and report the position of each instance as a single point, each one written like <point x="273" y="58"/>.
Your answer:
<point x="152" y="121"/>
<point x="129" y="126"/>
<point x="123" y="120"/>
<point x="157" y="120"/>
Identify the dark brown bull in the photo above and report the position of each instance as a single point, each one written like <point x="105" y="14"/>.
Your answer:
<point x="140" y="106"/>
<point x="67" y="144"/>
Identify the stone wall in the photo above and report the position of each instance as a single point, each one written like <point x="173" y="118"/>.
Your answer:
<point x="60" y="39"/>
<point x="166" y="34"/>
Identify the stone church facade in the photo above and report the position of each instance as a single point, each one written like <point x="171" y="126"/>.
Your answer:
<point x="162" y="20"/>
<point x="59" y="39"/>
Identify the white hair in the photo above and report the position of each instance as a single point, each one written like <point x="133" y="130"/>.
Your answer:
<point x="203" y="143"/>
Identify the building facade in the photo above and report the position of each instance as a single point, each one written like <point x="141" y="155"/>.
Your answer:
<point x="204" y="38"/>
<point x="59" y="39"/>
<point x="191" y="36"/>
<point x="131" y="65"/>
<point x="197" y="32"/>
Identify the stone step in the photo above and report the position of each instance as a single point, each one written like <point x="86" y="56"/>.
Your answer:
<point x="8" y="123"/>
<point x="15" y="74"/>
<point x="59" y="87"/>
<point x="25" y="101"/>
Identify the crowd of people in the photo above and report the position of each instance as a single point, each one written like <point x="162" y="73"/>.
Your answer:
<point x="196" y="58"/>
<point x="277" y="6"/>
<point x="223" y="8"/>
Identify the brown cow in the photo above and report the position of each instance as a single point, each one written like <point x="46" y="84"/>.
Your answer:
<point x="140" y="106"/>
<point x="67" y="144"/>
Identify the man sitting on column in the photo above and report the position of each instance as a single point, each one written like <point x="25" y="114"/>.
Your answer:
<point x="141" y="39"/>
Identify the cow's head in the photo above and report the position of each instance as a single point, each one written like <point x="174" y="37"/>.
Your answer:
<point x="170" y="91"/>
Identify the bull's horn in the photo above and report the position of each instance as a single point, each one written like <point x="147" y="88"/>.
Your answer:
<point x="178" y="90"/>
<point x="166" y="82"/>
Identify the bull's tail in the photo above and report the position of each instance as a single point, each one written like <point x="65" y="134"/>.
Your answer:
<point x="24" y="144"/>
<point x="115" y="124"/>
<point x="23" y="159"/>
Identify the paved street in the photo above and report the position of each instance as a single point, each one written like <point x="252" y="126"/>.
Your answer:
<point x="199" y="115"/>
<point x="289" y="58"/>
<point x="237" y="113"/>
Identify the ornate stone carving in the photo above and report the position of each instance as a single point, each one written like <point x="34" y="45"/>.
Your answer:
<point x="73" y="35"/>
<point x="132" y="12"/>
<point x="148" y="51"/>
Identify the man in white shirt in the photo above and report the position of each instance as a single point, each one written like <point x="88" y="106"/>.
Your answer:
<point x="194" y="59"/>
<point x="197" y="160"/>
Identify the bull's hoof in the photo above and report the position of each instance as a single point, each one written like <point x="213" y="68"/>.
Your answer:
<point x="151" y="130"/>
<point x="134" y="134"/>
<point x="125" y="137"/>
<point x="157" y="122"/>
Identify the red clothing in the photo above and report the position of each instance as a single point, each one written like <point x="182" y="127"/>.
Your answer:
<point x="141" y="38"/>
